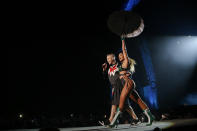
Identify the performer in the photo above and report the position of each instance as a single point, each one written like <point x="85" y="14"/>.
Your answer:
<point x="117" y="86"/>
<point x="127" y="67"/>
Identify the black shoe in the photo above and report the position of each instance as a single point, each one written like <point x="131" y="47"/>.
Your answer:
<point x="106" y="122"/>
<point x="115" y="121"/>
<point x="114" y="125"/>
<point x="135" y="122"/>
<point x="150" y="116"/>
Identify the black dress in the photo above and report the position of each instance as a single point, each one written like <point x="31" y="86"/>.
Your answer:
<point x="113" y="75"/>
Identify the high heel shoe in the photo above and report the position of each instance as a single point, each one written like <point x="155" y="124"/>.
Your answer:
<point x="150" y="117"/>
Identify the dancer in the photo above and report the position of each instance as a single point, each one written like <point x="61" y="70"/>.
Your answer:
<point x="127" y="66"/>
<point x="117" y="86"/>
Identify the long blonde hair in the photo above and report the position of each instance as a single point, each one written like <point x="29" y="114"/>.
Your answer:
<point x="132" y="65"/>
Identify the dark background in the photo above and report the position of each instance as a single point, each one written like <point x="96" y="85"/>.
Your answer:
<point x="57" y="49"/>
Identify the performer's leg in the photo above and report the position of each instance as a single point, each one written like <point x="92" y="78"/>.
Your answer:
<point x="135" y="120"/>
<point x="125" y="91"/>
<point x="113" y="112"/>
<point x="129" y="109"/>
<point x="136" y="98"/>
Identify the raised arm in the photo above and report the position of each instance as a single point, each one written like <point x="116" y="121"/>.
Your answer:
<point x="124" y="51"/>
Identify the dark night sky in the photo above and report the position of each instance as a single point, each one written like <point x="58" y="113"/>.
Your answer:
<point x="54" y="63"/>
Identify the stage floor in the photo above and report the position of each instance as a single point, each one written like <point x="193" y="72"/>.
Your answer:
<point x="126" y="127"/>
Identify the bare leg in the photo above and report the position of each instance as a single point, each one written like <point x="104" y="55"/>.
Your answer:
<point x="129" y="109"/>
<point x="113" y="112"/>
<point x="136" y="98"/>
<point x="125" y="91"/>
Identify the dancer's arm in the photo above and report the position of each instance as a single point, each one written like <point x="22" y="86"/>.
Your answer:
<point x="124" y="50"/>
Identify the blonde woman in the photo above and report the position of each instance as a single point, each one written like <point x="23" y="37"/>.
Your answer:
<point x="126" y="70"/>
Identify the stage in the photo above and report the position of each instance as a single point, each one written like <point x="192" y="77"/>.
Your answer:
<point x="165" y="124"/>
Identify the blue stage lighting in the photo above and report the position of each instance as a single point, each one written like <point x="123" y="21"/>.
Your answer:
<point x="130" y="4"/>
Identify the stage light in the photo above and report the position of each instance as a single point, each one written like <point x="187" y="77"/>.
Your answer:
<point x="20" y="116"/>
<point x="175" y="59"/>
<point x="184" y="52"/>
<point x="150" y="90"/>
<point x="190" y="99"/>
<point x="72" y="115"/>
<point x="130" y="4"/>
